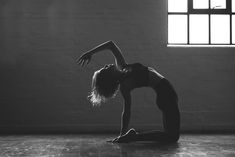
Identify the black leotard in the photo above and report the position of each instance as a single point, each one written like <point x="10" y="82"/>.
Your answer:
<point x="138" y="72"/>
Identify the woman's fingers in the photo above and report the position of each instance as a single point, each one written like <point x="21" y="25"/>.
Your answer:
<point x="88" y="61"/>
<point x="109" y="141"/>
<point x="79" y="61"/>
<point x="83" y="62"/>
<point x="84" y="59"/>
<point x="115" y="140"/>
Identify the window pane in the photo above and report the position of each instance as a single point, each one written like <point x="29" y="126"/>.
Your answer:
<point x="200" y="4"/>
<point x="218" y="4"/>
<point x="220" y="29"/>
<point x="199" y="29"/>
<point x="177" y="29"/>
<point x="233" y="5"/>
<point x="233" y="29"/>
<point x="177" y="6"/>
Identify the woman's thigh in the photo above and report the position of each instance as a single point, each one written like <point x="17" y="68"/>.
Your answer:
<point x="171" y="121"/>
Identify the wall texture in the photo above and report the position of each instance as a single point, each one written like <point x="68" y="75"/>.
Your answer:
<point x="42" y="89"/>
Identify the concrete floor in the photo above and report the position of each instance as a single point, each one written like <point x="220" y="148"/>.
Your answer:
<point x="96" y="146"/>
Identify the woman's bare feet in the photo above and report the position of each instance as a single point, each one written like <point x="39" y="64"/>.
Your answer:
<point x="128" y="137"/>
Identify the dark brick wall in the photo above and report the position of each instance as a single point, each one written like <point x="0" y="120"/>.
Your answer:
<point x="41" y="87"/>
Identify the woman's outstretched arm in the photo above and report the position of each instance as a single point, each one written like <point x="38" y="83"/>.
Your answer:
<point x="109" y="45"/>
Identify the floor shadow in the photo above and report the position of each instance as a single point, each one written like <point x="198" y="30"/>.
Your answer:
<point x="147" y="149"/>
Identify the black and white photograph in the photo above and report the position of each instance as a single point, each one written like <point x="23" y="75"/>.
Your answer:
<point x="117" y="78"/>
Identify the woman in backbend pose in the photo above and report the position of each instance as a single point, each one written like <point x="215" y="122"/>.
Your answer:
<point x="107" y="81"/>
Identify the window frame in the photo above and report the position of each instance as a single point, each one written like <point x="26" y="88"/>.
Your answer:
<point x="209" y="12"/>
<point x="228" y="9"/>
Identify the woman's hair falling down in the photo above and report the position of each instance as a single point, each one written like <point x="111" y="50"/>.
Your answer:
<point x="104" y="85"/>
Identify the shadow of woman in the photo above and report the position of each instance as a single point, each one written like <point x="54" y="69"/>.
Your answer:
<point x="150" y="149"/>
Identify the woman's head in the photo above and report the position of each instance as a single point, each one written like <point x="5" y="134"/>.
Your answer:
<point x="105" y="84"/>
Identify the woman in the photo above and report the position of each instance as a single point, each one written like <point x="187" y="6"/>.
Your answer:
<point x="107" y="81"/>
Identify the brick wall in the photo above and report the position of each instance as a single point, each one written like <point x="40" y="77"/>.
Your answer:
<point x="41" y="87"/>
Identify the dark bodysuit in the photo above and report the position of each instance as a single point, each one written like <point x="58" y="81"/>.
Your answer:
<point x="167" y="100"/>
<point x="139" y="73"/>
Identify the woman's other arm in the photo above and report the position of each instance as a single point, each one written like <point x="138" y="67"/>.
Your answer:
<point x="126" y="114"/>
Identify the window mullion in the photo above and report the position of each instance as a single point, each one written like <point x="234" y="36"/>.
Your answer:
<point x="209" y="22"/>
<point x="209" y="28"/>
<point x="188" y="29"/>
<point x="229" y="7"/>
<point x="190" y="8"/>
<point x="231" y="29"/>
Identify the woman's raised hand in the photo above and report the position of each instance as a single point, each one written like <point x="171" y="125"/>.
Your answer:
<point x="84" y="59"/>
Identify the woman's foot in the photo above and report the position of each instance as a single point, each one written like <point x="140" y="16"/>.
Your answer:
<point x="129" y="136"/>
<point x="131" y="132"/>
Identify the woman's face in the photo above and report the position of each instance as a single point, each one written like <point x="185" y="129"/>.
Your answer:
<point x="112" y="68"/>
<point x="107" y="66"/>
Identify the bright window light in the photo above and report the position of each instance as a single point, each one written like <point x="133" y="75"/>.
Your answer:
<point x="201" y="22"/>
<point x="177" y="29"/>
<point x="218" y="4"/>
<point x="233" y="5"/>
<point x="200" y="4"/>
<point x="233" y="28"/>
<point x="220" y="29"/>
<point x="199" y="29"/>
<point x="177" y="6"/>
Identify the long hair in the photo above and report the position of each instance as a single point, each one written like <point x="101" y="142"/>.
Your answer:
<point x="105" y="85"/>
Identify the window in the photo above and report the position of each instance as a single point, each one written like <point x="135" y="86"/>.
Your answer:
<point x="201" y="22"/>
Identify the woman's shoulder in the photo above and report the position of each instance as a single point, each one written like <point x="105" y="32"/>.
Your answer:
<point x="136" y="64"/>
<point x="135" y="67"/>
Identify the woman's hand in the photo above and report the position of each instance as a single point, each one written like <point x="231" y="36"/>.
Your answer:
<point x="84" y="58"/>
<point x="119" y="139"/>
<point x="115" y="139"/>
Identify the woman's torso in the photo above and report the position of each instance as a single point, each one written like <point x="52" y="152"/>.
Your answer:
<point x="142" y="76"/>
<point x="139" y="75"/>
